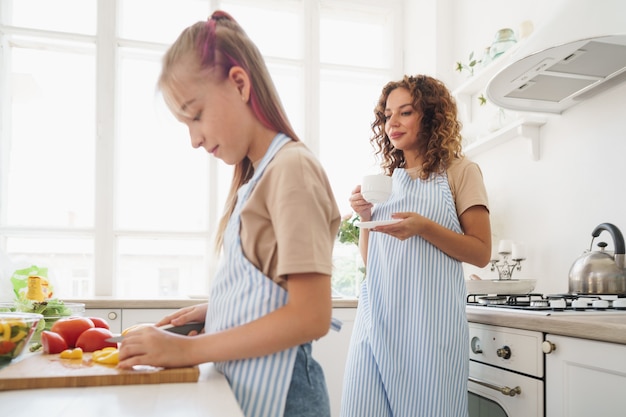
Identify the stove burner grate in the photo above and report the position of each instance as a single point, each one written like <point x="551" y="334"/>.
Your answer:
<point x="510" y="300"/>
<point x="552" y="302"/>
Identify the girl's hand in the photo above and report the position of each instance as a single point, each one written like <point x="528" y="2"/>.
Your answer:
<point x="359" y="205"/>
<point x="155" y="347"/>
<point x="185" y="315"/>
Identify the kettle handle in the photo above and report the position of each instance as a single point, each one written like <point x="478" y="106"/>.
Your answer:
<point x="618" y="238"/>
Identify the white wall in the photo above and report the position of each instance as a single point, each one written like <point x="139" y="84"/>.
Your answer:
<point x="553" y="204"/>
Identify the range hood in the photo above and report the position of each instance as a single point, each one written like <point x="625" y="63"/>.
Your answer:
<point x="576" y="54"/>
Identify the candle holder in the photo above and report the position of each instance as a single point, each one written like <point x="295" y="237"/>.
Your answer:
<point x="504" y="266"/>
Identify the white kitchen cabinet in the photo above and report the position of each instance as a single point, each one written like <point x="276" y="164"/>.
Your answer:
<point x="113" y="316"/>
<point x="120" y="319"/>
<point x="331" y="352"/>
<point x="584" y="378"/>
<point x="132" y="316"/>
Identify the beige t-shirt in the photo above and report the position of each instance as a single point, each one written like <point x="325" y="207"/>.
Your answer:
<point x="289" y="223"/>
<point x="466" y="183"/>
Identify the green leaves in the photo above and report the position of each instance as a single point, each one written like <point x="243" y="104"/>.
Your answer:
<point x="348" y="231"/>
<point x="469" y="66"/>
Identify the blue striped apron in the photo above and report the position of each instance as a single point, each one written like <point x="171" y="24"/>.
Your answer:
<point x="240" y="293"/>
<point x="408" y="354"/>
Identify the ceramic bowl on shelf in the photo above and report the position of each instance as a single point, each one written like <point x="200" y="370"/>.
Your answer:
<point x="500" y="286"/>
<point x="16" y="332"/>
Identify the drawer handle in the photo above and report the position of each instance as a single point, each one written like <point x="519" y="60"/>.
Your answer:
<point x="511" y="392"/>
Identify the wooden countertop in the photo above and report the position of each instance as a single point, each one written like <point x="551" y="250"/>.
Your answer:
<point x="108" y="302"/>
<point x="600" y="326"/>
<point x="211" y="396"/>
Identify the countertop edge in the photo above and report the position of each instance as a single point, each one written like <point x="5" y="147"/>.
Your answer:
<point x="104" y="303"/>
<point x="598" y="328"/>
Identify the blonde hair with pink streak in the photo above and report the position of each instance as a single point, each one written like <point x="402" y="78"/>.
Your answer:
<point x="218" y="45"/>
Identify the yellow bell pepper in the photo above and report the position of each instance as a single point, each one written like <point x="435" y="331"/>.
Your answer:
<point x="19" y="336"/>
<point x="76" y="353"/>
<point x="107" y="356"/>
<point x="135" y="327"/>
<point x="103" y="352"/>
<point x="5" y="329"/>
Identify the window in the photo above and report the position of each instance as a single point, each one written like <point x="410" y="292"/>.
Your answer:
<point x="99" y="183"/>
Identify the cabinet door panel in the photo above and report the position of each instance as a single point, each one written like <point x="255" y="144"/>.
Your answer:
<point x="113" y="316"/>
<point x="585" y="378"/>
<point x="132" y="316"/>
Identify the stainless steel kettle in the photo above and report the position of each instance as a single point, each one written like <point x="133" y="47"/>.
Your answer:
<point x="599" y="272"/>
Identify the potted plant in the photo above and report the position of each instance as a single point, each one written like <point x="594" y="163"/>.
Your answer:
<point x="349" y="235"/>
<point x="348" y="231"/>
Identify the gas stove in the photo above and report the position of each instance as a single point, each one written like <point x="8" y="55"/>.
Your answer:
<point x="547" y="305"/>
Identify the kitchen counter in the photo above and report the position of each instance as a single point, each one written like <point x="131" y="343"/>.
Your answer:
<point x="606" y="327"/>
<point x="108" y="302"/>
<point x="211" y="396"/>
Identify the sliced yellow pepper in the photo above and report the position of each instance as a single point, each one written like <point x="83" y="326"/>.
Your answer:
<point x="103" y="352"/>
<point x="76" y="353"/>
<point x="108" y="356"/>
<point x="134" y="327"/>
<point x="19" y="336"/>
<point x="5" y="328"/>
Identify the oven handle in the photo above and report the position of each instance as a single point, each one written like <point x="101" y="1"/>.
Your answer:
<point x="511" y="392"/>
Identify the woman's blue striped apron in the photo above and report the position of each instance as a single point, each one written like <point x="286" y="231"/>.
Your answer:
<point x="408" y="354"/>
<point x="240" y="293"/>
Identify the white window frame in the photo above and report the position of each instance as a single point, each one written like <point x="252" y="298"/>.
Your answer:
<point x="104" y="232"/>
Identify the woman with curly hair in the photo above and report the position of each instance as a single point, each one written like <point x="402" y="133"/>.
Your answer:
<point x="408" y="354"/>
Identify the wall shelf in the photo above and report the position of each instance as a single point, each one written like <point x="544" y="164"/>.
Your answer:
<point x="477" y="82"/>
<point x="525" y="127"/>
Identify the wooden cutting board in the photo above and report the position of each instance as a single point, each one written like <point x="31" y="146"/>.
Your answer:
<point x="37" y="370"/>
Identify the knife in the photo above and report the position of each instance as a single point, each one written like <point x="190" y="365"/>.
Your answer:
<point x="183" y="329"/>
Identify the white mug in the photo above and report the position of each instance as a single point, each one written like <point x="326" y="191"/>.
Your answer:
<point x="376" y="188"/>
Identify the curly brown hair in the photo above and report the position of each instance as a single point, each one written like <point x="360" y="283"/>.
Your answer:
<point x="439" y="137"/>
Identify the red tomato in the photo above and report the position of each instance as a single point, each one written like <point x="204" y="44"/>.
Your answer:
<point x="6" y="346"/>
<point x="98" y="322"/>
<point x="71" y="327"/>
<point x="52" y="342"/>
<point x="95" y="339"/>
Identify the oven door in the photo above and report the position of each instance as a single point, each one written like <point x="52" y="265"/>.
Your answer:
<point x="493" y="392"/>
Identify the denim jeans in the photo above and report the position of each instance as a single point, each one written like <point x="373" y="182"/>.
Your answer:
<point x="308" y="394"/>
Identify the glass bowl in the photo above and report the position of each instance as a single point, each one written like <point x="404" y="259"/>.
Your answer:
<point x="51" y="310"/>
<point x="17" y="330"/>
